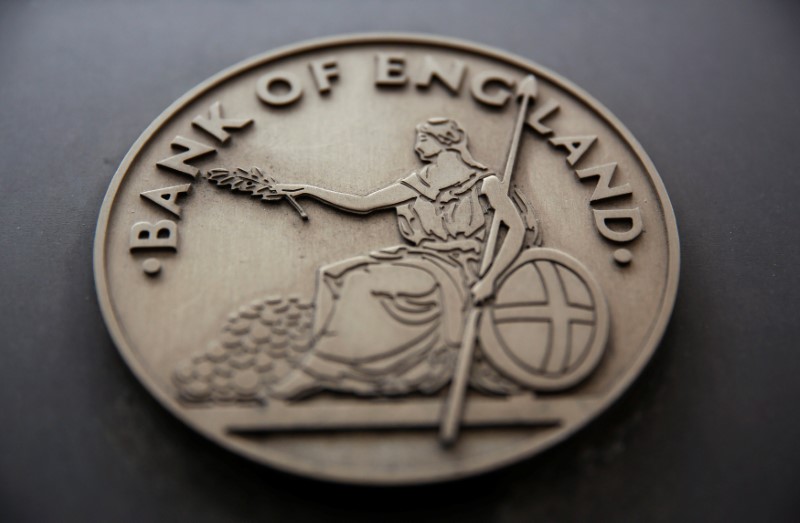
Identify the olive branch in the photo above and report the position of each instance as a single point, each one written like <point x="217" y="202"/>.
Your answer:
<point x="253" y="182"/>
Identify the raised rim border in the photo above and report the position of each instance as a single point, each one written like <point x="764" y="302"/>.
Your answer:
<point x="644" y="355"/>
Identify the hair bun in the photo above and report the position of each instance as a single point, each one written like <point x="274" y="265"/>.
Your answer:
<point x="445" y="130"/>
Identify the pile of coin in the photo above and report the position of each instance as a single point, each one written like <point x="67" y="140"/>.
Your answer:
<point x="259" y="344"/>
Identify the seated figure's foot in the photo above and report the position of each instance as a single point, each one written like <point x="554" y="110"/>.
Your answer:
<point x="296" y="385"/>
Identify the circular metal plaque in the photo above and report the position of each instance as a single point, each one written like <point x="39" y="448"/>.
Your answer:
<point x="386" y="259"/>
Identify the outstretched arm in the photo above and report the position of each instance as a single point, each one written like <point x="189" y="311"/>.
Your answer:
<point x="389" y="196"/>
<point x="506" y="213"/>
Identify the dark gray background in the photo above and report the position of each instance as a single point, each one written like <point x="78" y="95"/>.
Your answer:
<point x="710" y="430"/>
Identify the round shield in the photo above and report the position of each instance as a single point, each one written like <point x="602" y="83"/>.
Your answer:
<point x="548" y="325"/>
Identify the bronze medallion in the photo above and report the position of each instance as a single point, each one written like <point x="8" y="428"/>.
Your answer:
<point x="386" y="259"/>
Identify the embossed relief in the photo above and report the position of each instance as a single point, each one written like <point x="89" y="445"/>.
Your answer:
<point x="479" y="309"/>
<point x="457" y="304"/>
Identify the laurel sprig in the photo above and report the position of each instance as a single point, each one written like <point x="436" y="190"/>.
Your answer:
<point x="253" y="182"/>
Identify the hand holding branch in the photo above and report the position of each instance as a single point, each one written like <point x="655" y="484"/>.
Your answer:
<point x="289" y="189"/>
<point x="256" y="183"/>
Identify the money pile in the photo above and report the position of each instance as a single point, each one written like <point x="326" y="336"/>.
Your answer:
<point x="259" y="344"/>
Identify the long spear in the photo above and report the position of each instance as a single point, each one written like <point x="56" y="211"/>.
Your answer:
<point x="454" y="405"/>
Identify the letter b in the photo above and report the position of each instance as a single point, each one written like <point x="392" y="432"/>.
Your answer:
<point x="160" y="235"/>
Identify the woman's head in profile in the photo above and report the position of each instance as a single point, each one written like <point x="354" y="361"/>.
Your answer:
<point x="442" y="134"/>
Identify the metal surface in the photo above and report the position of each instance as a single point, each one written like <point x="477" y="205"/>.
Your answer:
<point x="707" y="433"/>
<point x="460" y="307"/>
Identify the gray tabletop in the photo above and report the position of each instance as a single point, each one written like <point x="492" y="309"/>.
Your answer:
<point x="710" y="430"/>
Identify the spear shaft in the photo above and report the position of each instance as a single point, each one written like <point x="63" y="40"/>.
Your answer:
<point x="454" y="405"/>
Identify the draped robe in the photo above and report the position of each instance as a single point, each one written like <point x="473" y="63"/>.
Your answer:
<point x="391" y="322"/>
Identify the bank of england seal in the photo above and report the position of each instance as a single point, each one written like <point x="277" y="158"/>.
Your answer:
<point x="386" y="259"/>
